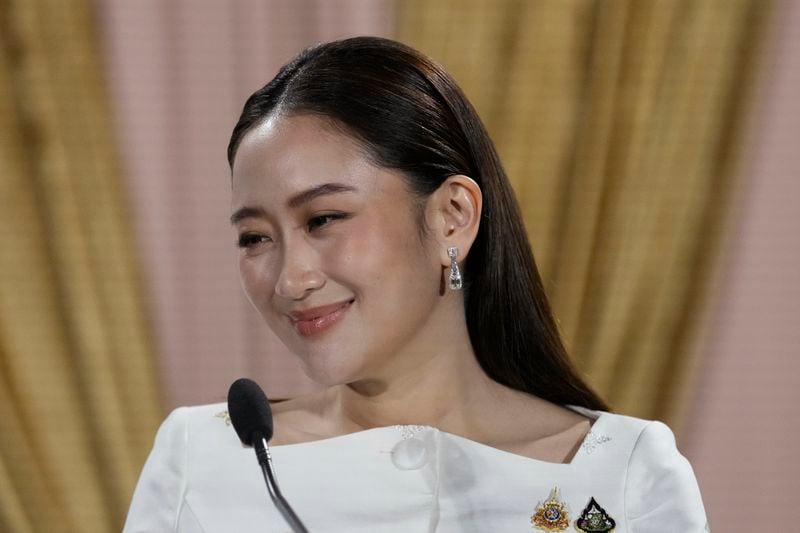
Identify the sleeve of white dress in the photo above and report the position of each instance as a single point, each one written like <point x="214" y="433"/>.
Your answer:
<point x="156" y="502"/>
<point x="661" y="492"/>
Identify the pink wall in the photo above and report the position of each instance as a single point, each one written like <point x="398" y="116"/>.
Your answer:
<point x="742" y="437"/>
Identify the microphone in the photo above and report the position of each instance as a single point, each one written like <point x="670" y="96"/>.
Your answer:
<point x="252" y="419"/>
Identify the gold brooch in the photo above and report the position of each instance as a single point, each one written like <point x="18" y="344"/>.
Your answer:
<point x="225" y="417"/>
<point x="552" y="514"/>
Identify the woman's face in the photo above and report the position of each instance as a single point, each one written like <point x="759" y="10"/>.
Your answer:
<point x="330" y="253"/>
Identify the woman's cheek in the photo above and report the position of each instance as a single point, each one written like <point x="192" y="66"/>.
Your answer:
<point x="344" y="260"/>
<point x="256" y="275"/>
<point x="341" y="257"/>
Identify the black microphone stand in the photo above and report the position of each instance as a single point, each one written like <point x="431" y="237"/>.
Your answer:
<point x="265" y="460"/>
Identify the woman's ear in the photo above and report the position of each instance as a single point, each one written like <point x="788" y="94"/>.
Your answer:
<point x="454" y="214"/>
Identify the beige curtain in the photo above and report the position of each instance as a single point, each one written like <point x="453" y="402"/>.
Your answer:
<point x="619" y="123"/>
<point x="78" y="401"/>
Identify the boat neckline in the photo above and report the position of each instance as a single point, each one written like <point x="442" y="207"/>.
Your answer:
<point x="596" y="419"/>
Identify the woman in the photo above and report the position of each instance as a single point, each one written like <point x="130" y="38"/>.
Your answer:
<point x="380" y="240"/>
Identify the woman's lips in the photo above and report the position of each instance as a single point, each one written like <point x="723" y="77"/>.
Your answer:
<point x="318" y="319"/>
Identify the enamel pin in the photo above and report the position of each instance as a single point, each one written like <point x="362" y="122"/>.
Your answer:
<point x="595" y="519"/>
<point x="552" y="514"/>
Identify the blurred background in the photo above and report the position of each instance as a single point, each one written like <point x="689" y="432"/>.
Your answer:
<point x="652" y="144"/>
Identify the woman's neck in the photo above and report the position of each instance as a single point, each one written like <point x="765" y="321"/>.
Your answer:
<point x="439" y="383"/>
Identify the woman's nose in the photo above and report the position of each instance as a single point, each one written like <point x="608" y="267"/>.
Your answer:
<point x="299" y="275"/>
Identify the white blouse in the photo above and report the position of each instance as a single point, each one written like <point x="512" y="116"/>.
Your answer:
<point x="627" y="476"/>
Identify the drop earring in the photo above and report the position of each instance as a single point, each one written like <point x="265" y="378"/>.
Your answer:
<point x="455" y="281"/>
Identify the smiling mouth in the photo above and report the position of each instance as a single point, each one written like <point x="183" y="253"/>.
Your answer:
<point x="319" y="319"/>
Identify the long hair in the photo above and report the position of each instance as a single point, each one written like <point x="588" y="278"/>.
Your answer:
<point x="408" y="114"/>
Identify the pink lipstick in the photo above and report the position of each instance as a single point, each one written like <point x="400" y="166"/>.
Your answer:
<point x="318" y="319"/>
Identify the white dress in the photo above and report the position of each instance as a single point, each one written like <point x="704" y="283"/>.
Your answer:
<point x="627" y="476"/>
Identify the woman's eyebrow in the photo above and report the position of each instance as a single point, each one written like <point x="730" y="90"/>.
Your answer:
<point x="247" y="212"/>
<point x="320" y="190"/>
<point x="295" y="201"/>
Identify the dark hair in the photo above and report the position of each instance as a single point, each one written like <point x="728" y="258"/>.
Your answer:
<point x="409" y="114"/>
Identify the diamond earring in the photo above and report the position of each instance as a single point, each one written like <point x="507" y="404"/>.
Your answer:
<point x="455" y="281"/>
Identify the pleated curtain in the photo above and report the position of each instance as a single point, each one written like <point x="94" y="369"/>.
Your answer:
<point x="79" y="401"/>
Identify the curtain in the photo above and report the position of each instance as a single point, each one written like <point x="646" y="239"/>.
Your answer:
<point x="619" y="123"/>
<point x="78" y="395"/>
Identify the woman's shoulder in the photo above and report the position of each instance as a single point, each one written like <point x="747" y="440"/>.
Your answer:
<point x="660" y="487"/>
<point x="211" y="416"/>
<point x="627" y="425"/>
<point x="639" y="438"/>
<point x="185" y="424"/>
<point x="198" y="414"/>
<point x="647" y="448"/>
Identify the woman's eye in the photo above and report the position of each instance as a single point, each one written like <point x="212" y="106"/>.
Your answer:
<point x="322" y="220"/>
<point x="248" y="240"/>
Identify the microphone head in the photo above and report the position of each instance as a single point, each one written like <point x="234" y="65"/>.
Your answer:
<point x="249" y="411"/>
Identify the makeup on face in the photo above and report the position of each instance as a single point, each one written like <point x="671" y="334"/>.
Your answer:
<point x="330" y="251"/>
<point x="319" y="319"/>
